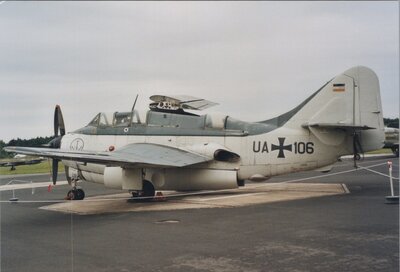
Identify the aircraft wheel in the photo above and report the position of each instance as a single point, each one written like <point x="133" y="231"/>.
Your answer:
<point x="148" y="191"/>
<point x="76" y="194"/>
<point x="148" y="188"/>
<point x="80" y="194"/>
<point x="358" y="157"/>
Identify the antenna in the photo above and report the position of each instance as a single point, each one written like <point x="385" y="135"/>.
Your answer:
<point x="133" y="108"/>
<point x="134" y="103"/>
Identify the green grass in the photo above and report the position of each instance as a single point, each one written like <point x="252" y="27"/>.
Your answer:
<point x="43" y="167"/>
<point x="381" y="151"/>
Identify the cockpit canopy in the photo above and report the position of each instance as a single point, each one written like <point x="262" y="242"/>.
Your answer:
<point x="116" y="119"/>
<point x="172" y="123"/>
<point x="161" y="106"/>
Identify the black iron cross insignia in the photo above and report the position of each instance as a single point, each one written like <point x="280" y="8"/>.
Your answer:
<point x="281" y="148"/>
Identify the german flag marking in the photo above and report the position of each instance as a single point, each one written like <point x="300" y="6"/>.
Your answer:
<point x="339" y="87"/>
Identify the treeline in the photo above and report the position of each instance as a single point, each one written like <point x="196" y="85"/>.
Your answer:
<point x="34" y="142"/>
<point x="3" y="154"/>
<point x="393" y="123"/>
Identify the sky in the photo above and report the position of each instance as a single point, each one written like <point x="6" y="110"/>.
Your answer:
<point x="256" y="59"/>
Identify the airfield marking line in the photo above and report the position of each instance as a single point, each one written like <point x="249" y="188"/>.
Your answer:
<point x="11" y="187"/>
<point x="345" y="188"/>
<point x="376" y="172"/>
<point x="320" y="176"/>
<point x="326" y="175"/>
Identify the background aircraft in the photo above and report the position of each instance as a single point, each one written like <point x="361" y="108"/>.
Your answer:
<point x="168" y="148"/>
<point x="15" y="163"/>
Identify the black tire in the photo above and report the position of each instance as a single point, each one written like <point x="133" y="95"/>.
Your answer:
<point x="358" y="157"/>
<point x="146" y="194"/>
<point x="76" y="194"/>
<point x="80" y="194"/>
<point x="148" y="188"/>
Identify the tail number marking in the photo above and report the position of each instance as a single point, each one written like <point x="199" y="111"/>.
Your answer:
<point x="296" y="147"/>
<point x="303" y="148"/>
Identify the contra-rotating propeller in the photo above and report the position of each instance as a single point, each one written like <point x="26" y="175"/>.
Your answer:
<point x="56" y="142"/>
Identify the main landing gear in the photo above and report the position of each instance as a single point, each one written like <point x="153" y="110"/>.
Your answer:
<point x="75" y="193"/>
<point x="147" y="193"/>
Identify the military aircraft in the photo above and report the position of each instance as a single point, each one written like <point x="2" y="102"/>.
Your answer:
<point x="169" y="148"/>
<point x="14" y="163"/>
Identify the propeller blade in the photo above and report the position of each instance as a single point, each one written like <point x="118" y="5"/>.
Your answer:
<point x="58" y="122"/>
<point x="56" y="142"/>
<point x="54" y="171"/>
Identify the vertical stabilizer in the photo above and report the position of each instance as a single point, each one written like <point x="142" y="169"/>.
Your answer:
<point x="351" y="101"/>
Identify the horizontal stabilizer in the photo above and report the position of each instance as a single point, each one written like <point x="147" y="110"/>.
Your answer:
<point x="335" y="126"/>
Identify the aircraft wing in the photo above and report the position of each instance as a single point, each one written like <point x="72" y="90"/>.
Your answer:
<point x="130" y="156"/>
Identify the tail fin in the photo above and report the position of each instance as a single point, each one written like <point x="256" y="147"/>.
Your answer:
<point x="351" y="101"/>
